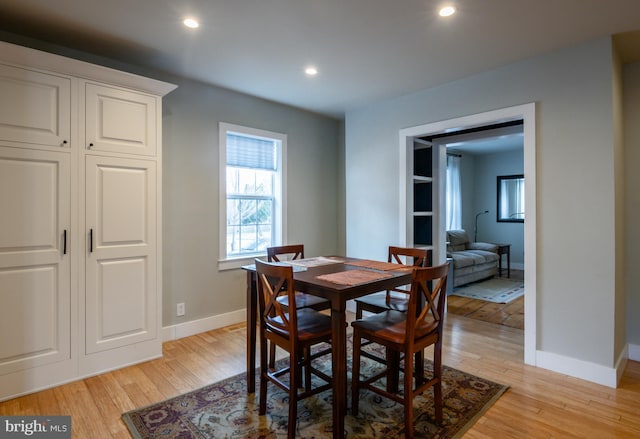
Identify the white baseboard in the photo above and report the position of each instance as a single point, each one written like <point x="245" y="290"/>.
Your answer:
<point x="595" y="373"/>
<point x="634" y="352"/>
<point x="193" y="327"/>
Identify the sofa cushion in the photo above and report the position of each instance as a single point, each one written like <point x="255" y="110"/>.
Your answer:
<point x="483" y="246"/>
<point x="458" y="240"/>
<point x="466" y="258"/>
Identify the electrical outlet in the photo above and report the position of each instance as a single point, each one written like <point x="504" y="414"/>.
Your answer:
<point x="180" y="309"/>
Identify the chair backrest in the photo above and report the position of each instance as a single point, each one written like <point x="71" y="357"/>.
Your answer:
<point x="420" y="256"/>
<point x="275" y="280"/>
<point x="425" y="312"/>
<point x="420" y="259"/>
<point x="293" y="251"/>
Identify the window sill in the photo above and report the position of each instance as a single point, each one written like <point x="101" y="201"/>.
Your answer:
<point x="235" y="263"/>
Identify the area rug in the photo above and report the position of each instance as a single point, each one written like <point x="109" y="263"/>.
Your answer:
<point x="225" y="410"/>
<point x="497" y="290"/>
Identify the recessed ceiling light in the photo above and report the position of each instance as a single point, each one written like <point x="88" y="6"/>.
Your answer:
<point x="311" y="71"/>
<point x="447" y="11"/>
<point x="191" y="23"/>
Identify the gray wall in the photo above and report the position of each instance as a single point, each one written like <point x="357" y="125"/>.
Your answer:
<point x="191" y="194"/>
<point x="632" y="214"/>
<point x="576" y="267"/>
<point x="487" y="168"/>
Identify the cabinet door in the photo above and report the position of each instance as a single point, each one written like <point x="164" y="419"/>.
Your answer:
<point x="35" y="107"/>
<point x="119" y="120"/>
<point x="120" y="307"/>
<point x="35" y="276"/>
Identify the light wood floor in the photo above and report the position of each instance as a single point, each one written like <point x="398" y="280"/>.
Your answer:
<point x="539" y="403"/>
<point x="508" y="314"/>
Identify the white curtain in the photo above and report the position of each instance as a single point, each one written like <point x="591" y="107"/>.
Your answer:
<point x="454" y="196"/>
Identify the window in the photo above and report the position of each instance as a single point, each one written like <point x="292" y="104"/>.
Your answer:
<point x="252" y="172"/>
<point x="454" y="193"/>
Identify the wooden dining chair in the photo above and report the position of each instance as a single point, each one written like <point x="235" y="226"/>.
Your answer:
<point x="396" y="298"/>
<point x="407" y="333"/>
<point x="295" y="330"/>
<point x="291" y="253"/>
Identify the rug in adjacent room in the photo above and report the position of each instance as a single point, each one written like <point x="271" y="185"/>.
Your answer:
<point x="496" y="290"/>
<point x="225" y="410"/>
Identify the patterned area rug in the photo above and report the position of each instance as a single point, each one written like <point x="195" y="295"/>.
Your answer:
<point x="225" y="410"/>
<point x="496" y="290"/>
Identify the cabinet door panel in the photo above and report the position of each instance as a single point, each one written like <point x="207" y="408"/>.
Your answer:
<point x="35" y="274"/>
<point x="120" y="268"/>
<point x="35" y="107"/>
<point x="120" y="121"/>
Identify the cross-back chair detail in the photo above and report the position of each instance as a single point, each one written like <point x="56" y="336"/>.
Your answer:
<point x="293" y="252"/>
<point x="407" y="333"/>
<point x="397" y="297"/>
<point x="295" y="330"/>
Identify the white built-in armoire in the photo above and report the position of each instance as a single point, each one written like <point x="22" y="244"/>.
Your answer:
<point x="80" y="219"/>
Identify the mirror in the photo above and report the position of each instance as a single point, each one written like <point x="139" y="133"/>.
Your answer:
<point x="511" y="198"/>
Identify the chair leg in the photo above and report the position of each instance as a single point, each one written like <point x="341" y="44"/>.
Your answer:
<point x="393" y="370"/>
<point x="358" y="311"/>
<point x="294" y="382"/>
<point x="408" y="396"/>
<point x="419" y="370"/>
<point x="272" y="356"/>
<point x="307" y="368"/>
<point x="262" y="410"/>
<point x="355" y="374"/>
<point x="437" y="373"/>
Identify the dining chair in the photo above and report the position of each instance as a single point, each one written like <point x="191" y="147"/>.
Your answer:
<point x="290" y="253"/>
<point x="407" y="333"/>
<point x="396" y="298"/>
<point x="295" y="330"/>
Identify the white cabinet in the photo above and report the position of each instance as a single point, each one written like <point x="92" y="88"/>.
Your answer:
<point x="80" y="235"/>
<point x="35" y="267"/>
<point x="119" y="120"/>
<point x="121" y="253"/>
<point x="35" y="107"/>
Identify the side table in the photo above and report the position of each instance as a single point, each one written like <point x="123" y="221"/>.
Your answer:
<point x="504" y="249"/>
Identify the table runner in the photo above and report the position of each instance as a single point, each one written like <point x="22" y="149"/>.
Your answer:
<point x="379" y="265"/>
<point x="353" y="277"/>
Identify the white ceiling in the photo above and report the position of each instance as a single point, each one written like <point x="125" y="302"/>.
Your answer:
<point x="365" y="50"/>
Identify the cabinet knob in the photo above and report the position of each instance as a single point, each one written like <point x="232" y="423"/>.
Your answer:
<point x="64" y="142"/>
<point x="90" y="146"/>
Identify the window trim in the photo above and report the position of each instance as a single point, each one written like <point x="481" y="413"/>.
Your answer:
<point x="224" y="261"/>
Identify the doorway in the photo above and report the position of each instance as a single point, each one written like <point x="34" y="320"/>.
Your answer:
<point x="526" y="113"/>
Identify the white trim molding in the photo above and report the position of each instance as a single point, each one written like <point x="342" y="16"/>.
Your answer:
<point x="585" y="370"/>
<point x="193" y="327"/>
<point x="526" y="112"/>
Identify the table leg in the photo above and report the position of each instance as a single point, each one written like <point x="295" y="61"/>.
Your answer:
<point x="252" y="313"/>
<point x="509" y="262"/>
<point x="339" y="366"/>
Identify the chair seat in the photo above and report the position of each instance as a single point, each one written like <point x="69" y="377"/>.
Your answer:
<point x="391" y="326"/>
<point x="379" y="300"/>
<point x="312" y="325"/>
<point x="306" y="301"/>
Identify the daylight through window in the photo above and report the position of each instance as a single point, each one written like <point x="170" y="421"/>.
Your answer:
<point x="253" y="191"/>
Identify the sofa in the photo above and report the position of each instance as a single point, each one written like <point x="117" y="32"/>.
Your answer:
<point x="472" y="261"/>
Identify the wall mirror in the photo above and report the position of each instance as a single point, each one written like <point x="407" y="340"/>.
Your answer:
<point x="511" y="198"/>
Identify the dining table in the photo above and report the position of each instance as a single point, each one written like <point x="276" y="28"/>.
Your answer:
<point x="337" y="279"/>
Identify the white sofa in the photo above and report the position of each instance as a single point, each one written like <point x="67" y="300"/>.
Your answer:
<point x="472" y="261"/>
